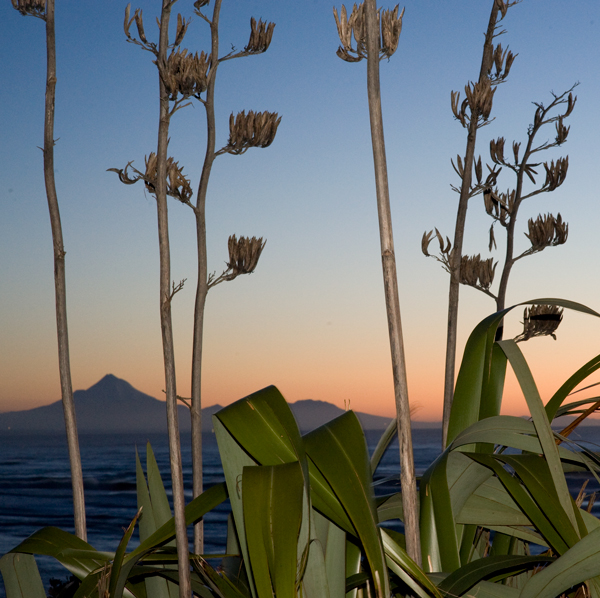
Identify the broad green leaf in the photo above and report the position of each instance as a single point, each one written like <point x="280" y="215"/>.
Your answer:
<point x="473" y="376"/>
<point x="52" y="541"/>
<point x="542" y="425"/>
<point x="338" y="450"/>
<point x="121" y="567"/>
<point x="264" y="425"/>
<point x="388" y="435"/>
<point x="436" y="492"/>
<point x="521" y="532"/>
<point x="553" y="405"/>
<point x="331" y="540"/>
<point x="522" y="498"/>
<point x="272" y="500"/>
<point x="402" y="565"/>
<point x="462" y="580"/>
<point x="578" y="564"/>
<point x="479" y="382"/>
<point x="152" y="499"/>
<point x="390" y="508"/>
<point x="195" y="510"/>
<point x="21" y="576"/>
<point x="234" y="460"/>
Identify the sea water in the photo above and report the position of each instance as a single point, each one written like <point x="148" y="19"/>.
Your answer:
<point x="35" y="484"/>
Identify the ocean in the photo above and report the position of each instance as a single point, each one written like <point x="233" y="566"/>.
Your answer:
<point x="35" y="487"/>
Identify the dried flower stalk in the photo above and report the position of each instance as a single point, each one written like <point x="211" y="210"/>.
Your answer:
<point x="251" y="130"/>
<point x="540" y="320"/>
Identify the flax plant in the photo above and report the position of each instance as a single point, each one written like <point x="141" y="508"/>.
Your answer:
<point x="45" y="10"/>
<point x="186" y="76"/>
<point x="376" y="34"/>
<point x="163" y="177"/>
<point x="544" y="231"/>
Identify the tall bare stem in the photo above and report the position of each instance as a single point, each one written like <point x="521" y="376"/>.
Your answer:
<point x="459" y="230"/>
<point x="166" y="296"/>
<point x="202" y="288"/>
<point x="392" y="302"/>
<point x="37" y="9"/>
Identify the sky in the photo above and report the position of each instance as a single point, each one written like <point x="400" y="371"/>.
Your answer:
<point x="311" y="319"/>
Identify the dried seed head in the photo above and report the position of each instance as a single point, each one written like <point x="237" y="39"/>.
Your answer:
<point x="516" y="147"/>
<point x="182" y="26"/>
<point x="547" y="231"/>
<point x="540" y="320"/>
<point x="498" y="205"/>
<point x="480" y="97"/>
<point x="33" y="8"/>
<point x="561" y="131"/>
<point x="391" y="27"/>
<point x="502" y="60"/>
<point x="244" y="254"/>
<point x="478" y="170"/>
<point x="186" y="74"/>
<point x="348" y="27"/>
<point x="497" y="150"/>
<point x="556" y="173"/>
<point x="178" y="186"/>
<point x="255" y="129"/>
<point x="200" y="3"/>
<point x="476" y="272"/>
<point x="260" y="36"/>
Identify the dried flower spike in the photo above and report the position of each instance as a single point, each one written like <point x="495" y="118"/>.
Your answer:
<point x="540" y="320"/>
<point x="186" y="74"/>
<point x="260" y="36"/>
<point x="178" y="186"/>
<point x="547" y="231"/>
<point x="33" y="8"/>
<point x="255" y="129"/>
<point x="476" y="272"/>
<point x="244" y="254"/>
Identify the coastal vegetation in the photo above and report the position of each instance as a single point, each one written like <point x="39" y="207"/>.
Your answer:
<point x="492" y="517"/>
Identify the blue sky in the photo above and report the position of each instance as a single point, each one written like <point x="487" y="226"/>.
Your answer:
<point x="311" y="319"/>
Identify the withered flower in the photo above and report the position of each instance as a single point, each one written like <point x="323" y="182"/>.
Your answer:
<point x="540" y="320"/>
<point x="186" y="74"/>
<point x="480" y="97"/>
<point x="476" y="272"/>
<point x="255" y="129"/>
<point x="178" y="186"/>
<point x="391" y="27"/>
<point x="33" y="8"/>
<point x="244" y="254"/>
<point x="349" y="26"/>
<point x="547" y="231"/>
<point x="556" y="173"/>
<point x="260" y="36"/>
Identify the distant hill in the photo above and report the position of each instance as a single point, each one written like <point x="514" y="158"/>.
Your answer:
<point x="112" y="405"/>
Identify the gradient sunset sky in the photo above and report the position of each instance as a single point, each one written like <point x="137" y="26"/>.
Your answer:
<point x="311" y="319"/>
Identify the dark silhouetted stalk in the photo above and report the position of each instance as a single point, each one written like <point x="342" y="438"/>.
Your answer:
<point x="36" y="8"/>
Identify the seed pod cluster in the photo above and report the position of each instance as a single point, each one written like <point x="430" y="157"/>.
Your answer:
<point x="499" y="205"/>
<point x="255" y="129"/>
<point x="459" y="113"/>
<point x="480" y="97"/>
<point x="261" y="34"/>
<point x="349" y="26"/>
<point x="562" y="131"/>
<point x="547" y="231"/>
<point x="33" y="8"/>
<point x="556" y="173"/>
<point x="497" y="150"/>
<point x="244" y="254"/>
<point x="540" y="320"/>
<point x="445" y="247"/>
<point x="391" y="27"/>
<point x="178" y="186"/>
<point x="503" y="60"/>
<point x="476" y="272"/>
<point x="353" y="25"/>
<point x="186" y="74"/>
